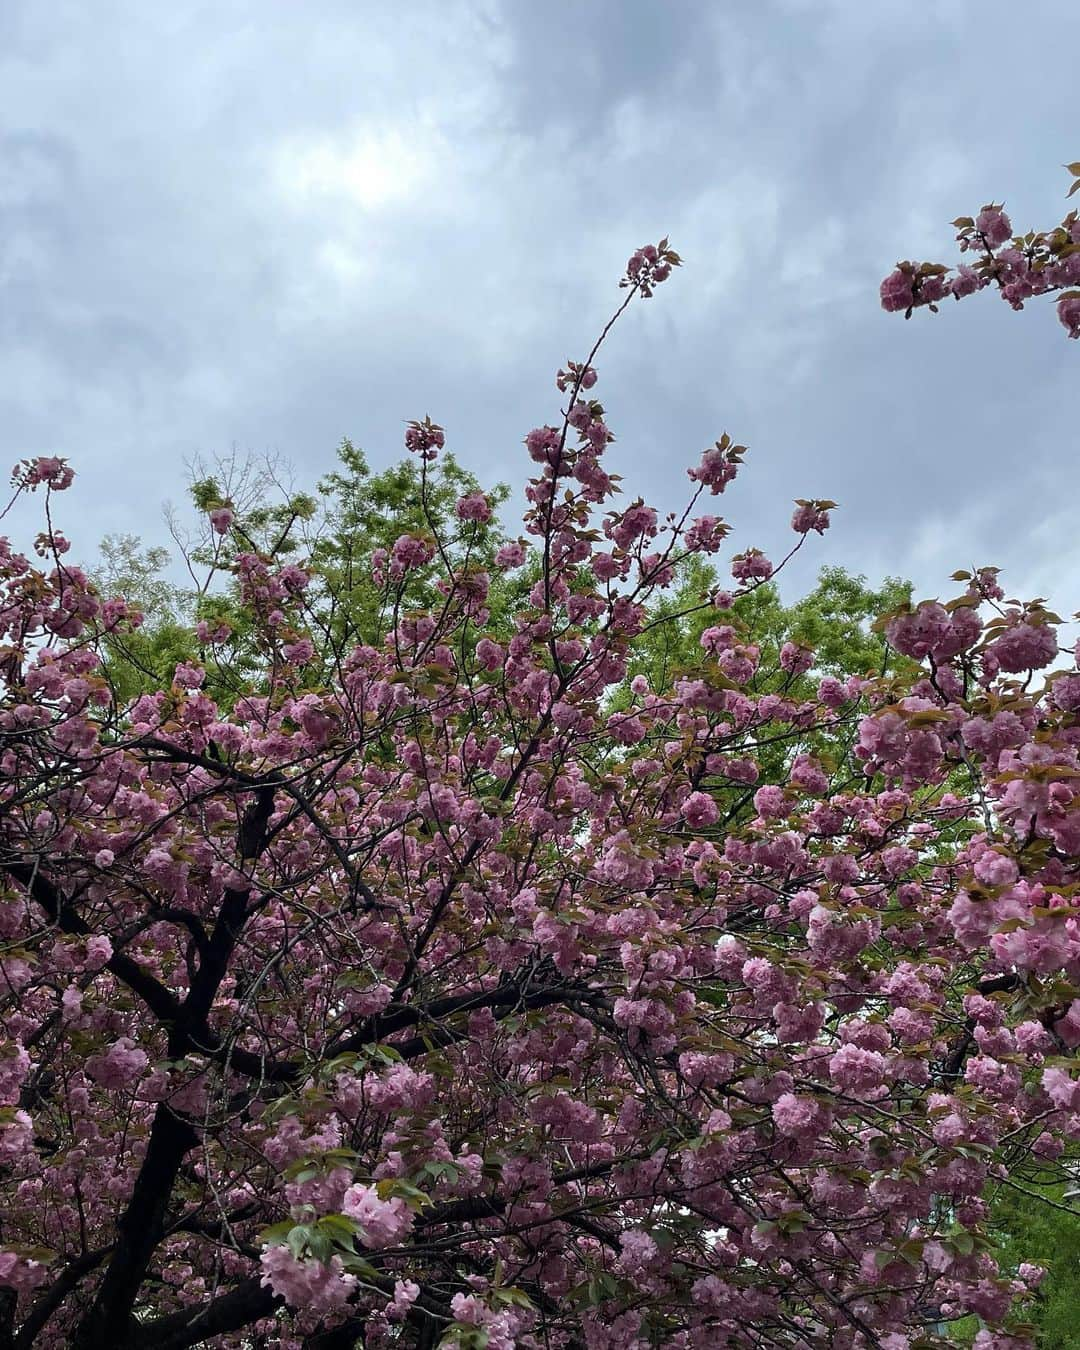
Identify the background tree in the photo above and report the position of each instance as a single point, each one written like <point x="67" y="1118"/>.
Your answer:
<point x="251" y="505"/>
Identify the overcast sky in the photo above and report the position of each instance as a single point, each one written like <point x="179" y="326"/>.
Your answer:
<point x="271" y="225"/>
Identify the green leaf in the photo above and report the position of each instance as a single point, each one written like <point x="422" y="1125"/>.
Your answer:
<point x="413" y="1196"/>
<point x="357" y="1265"/>
<point x="339" y="1228"/>
<point x="513" y="1295"/>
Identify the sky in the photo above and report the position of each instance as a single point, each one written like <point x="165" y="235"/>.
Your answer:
<point x="268" y="226"/>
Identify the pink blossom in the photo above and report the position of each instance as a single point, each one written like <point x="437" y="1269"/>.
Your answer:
<point x="384" y="1223"/>
<point x="995" y="225"/>
<point x="298" y="653"/>
<point x="751" y="566"/>
<point x="48" y="469"/>
<point x="795" y="658"/>
<point x="14" y="1067"/>
<point x="16" y="1137"/>
<point x="810" y="516"/>
<point x="119" y="1066"/>
<point x="406" y="1292"/>
<point x="639" y="1251"/>
<point x="930" y="630"/>
<point x="543" y="444"/>
<point x="489" y="654"/>
<point x="635" y="521"/>
<point x="401" y="1087"/>
<point x="717" y="469"/>
<point x="511" y="554"/>
<point x="699" y="811"/>
<point x="410" y="552"/>
<point x="474" y="507"/>
<point x="896" y="291"/>
<point x="794" y="1115"/>
<point x="993" y="869"/>
<point x="424" y="439"/>
<point x="99" y="951"/>
<point x="1025" y="646"/>
<point x="966" y="282"/>
<point x="1068" y="309"/>
<point x="770" y="801"/>
<point x="21" y="1273"/>
<point x="317" y="1287"/>
<point x="855" y="1070"/>
<point x="705" y="535"/>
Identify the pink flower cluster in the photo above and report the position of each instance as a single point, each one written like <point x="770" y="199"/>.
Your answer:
<point x="383" y="1223"/>
<point x="649" y="266"/>
<point x="1019" y="266"/>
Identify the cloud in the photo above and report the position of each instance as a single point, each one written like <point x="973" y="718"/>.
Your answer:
<point x="369" y="170"/>
<point x="272" y="225"/>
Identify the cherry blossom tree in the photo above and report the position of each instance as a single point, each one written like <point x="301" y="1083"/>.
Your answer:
<point x="437" y="992"/>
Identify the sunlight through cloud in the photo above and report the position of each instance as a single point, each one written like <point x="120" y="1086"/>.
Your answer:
<point x="373" y="169"/>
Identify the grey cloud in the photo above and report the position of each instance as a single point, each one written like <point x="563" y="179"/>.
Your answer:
<point x="275" y="225"/>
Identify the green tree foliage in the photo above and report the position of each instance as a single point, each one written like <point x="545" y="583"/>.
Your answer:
<point x="834" y="619"/>
<point x="331" y="533"/>
<point x="362" y="512"/>
<point x="1038" y="1223"/>
<point x="137" y="660"/>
